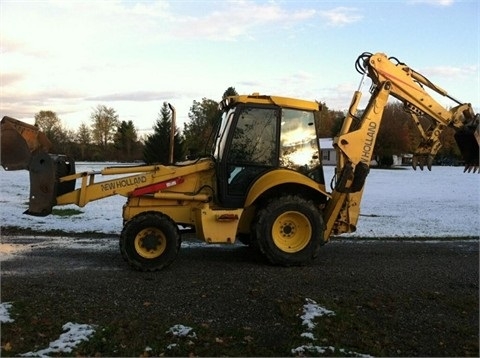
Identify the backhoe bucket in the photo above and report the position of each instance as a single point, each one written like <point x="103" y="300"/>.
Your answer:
<point x="45" y="171"/>
<point x="468" y="143"/>
<point x="18" y="141"/>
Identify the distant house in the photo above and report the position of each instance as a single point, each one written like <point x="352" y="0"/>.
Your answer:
<point x="329" y="155"/>
<point x="403" y="160"/>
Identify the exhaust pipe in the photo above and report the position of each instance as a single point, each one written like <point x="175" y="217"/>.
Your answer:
<point x="172" y="135"/>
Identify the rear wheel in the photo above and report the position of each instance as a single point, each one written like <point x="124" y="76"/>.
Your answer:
<point x="150" y="241"/>
<point x="289" y="230"/>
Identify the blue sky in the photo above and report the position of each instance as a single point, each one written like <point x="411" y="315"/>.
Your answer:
<point x="70" y="56"/>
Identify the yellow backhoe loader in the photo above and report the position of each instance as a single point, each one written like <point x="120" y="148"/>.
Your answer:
<point x="263" y="181"/>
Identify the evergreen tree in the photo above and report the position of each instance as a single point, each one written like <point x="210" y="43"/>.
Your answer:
<point x="125" y="140"/>
<point x="198" y="132"/>
<point x="157" y="145"/>
<point x="83" y="139"/>
<point x="229" y="92"/>
<point x="329" y="122"/>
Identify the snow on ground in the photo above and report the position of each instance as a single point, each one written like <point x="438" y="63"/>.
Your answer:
<point x="443" y="202"/>
<point x="74" y="335"/>
<point x="312" y="310"/>
<point x="5" y="312"/>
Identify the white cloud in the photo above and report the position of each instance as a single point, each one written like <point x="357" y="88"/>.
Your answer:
<point x="238" y="19"/>
<point x="340" y="16"/>
<point x="451" y="72"/>
<point x="136" y="96"/>
<point x="433" y="2"/>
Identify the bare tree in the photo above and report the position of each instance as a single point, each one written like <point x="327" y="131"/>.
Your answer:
<point x="105" y="123"/>
<point x="49" y="123"/>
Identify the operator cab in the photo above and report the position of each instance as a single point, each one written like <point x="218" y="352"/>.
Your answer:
<point x="258" y="134"/>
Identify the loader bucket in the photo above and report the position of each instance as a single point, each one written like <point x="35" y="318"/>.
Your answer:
<point x="45" y="171"/>
<point x="468" y="143"/>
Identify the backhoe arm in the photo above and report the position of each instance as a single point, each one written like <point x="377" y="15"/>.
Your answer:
<point x="357" y="137"/>
<point x="408" y="86"/>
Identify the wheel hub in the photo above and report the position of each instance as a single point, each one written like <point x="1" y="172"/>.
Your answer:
<point x="287" y="229"/>
<point x="150" y="242"/>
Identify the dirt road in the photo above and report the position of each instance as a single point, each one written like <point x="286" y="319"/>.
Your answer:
<point x="391" y="298"/>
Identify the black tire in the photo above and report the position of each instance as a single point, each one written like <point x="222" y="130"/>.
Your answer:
<point x="150" y="241"/>
<point x="289" y="231"/>
<point x="245" y="239"/>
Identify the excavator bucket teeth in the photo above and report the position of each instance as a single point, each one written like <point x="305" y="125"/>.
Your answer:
<point x="420" y="160"/>
<point x="15" y="154"/>
<point x="469" y="148"/>
<point x="45" y="171"/>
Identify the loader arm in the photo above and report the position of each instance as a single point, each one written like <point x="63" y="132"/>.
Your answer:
<point x="48" y="189"/>
<point x="129" y="182"/>
<point x="357" y="137"/>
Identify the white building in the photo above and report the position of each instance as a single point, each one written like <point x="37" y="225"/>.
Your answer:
<point x="329" y="155"/>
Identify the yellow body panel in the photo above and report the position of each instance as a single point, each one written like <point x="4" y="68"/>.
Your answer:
<point x="179" y="211"/>
<point x="279" y="177"/>
<point x="217" y="226"/>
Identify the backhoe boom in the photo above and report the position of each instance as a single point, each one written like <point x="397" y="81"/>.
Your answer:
<point x="356" y="140"/>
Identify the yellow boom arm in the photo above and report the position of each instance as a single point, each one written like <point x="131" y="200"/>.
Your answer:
<point x="356" y="140"/>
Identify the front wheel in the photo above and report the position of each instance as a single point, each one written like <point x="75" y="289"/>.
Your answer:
<point x="289" y="230"/>
<point x="150" y="241"/>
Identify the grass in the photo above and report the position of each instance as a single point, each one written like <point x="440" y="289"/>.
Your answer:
<point x="66" y="212"/>
<point x="33" y="329"/>
<point x="371" y="329"/>
<point x="37" y="324"/>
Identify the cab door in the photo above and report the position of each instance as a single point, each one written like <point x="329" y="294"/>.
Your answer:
<point x="251" y="150"/>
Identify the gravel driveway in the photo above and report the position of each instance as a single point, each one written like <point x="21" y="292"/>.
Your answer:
<point x="391" y="298"/>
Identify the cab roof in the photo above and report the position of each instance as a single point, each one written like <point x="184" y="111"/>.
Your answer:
<point x="284" y="102"/>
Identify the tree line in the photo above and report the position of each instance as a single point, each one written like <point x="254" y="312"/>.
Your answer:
<point x="107" y="138"/>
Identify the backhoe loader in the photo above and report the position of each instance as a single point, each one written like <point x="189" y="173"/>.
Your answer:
<point x="262" y="183"/>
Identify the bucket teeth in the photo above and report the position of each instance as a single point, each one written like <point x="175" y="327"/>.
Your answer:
<point x="471" y="169"/>
<point x="421" y="160"/>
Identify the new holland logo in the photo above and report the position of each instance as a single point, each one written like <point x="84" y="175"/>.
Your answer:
<point x="122" y="183"/>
